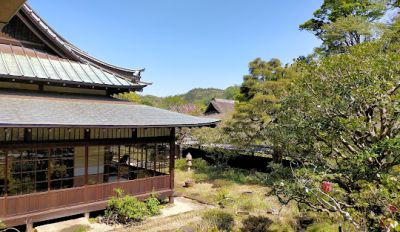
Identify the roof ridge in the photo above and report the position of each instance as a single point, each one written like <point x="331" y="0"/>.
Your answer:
<point x="223" y="99"/>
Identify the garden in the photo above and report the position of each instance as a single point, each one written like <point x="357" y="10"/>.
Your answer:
<point x="243" y="201"/>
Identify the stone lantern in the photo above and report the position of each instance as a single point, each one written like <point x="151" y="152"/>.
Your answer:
<point x="189" y="159"/>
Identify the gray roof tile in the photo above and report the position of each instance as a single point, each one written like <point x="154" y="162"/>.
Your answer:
<point x="34" y="109"/>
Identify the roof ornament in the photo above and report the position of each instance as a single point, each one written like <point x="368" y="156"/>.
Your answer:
<point x="137" y="74"/>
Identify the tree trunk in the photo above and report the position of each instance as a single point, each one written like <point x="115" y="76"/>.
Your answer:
<point x="277" y="155"/>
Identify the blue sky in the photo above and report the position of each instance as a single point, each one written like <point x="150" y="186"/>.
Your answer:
<point x="184" y="44"/>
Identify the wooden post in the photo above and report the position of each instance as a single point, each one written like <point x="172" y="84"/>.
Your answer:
<point x="5" y="183"/>
<point x="155" y="159"/>
<point x="29" y="225"/>
<point x="86" y="165"/>
<point x="172" y="154"/>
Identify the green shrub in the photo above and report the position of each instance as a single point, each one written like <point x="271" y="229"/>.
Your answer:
<point x="222" y="198"/>
<point x="200" y="165"/>
<point x="220" y="219"/>
<point x="200" y="177"/>
<point x="180" y="164"/>
<point x="279" y="227"/>
<point x="256" y="224"/>
<point x="324" y="226"/>
<point x="2" y="225"/>
<point x="127" y="209"/>
<point x="153" y="205"/>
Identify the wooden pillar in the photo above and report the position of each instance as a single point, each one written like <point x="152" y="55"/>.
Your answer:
<point x="172" y="162"/>
<point x="29" y="225"/>
<point x="5" y="184"/>
<point x="86" y="165"/>
<point x="155" y="159"/>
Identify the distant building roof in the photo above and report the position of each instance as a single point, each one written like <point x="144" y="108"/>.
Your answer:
<point x="219" y="107"/>
<point x="60" y="110"/>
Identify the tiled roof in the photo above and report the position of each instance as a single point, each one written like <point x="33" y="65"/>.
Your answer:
<point x="223" y="106"/>
<point x="19" y="62"/>
<point x="44" y="110"/>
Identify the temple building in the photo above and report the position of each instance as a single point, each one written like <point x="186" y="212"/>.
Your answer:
<point x="65" y="142"/>
<point x="219" y="108"/>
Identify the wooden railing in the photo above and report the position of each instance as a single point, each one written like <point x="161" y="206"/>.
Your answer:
<point x="37" y="202"/>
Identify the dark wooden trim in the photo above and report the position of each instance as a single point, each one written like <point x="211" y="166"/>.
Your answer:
<point x="51" y="155"/>
<point x="110" y="89"/>
<point x="172" y="158"/>
<point x="213" y="124"/>
<point x="86" y="165"/>
<point x="6" y="174"/>
<point x="99" y="142"/>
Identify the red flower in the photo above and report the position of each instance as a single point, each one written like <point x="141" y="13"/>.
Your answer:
<point x="326" y="186"/>
<point x="393" y="209"/>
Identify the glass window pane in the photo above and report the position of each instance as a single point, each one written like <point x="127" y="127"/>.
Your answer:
<point x="42" y="187"/>
<point x="79" y="166"/>
<point x="111" y="163"/>
<point x="55" y="185"/>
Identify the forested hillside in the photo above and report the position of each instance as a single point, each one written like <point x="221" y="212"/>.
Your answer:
<point x="192" y="102"/>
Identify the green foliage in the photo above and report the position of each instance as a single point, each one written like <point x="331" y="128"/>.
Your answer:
<point x="202" y="96"/>
<point x="223" y="198"/>
<point x="204" y="172"/>
<point x="256" y="224"/>
<point x="246" y="203"/>
<point x="129" y="96"/>
<point x="153" y="205"/>
<point x="340" y="122"/>
<point x="209" y="136"/>
<point x="193" y="102"/>
<point x="232" y="92"/>
<point x="277" y="227"/>
<point x="220" y="219"/>
<point x="199" y="164"/>
<point x="180" y="164"/>
<point x="125" y="209"/>
<point x="342" y="24"/>
<point x="76" y="228"/>
<point x="2" y="225"/>
<point x="200" y="177"/>
<point x="260" y="99"/>
<point x="327" y="227"/>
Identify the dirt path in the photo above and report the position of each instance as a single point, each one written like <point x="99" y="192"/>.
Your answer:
<point x="181" y="213"/>
<point x="167" y="224"/>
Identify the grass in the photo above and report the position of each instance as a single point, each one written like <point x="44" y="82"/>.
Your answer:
<point x="76" y="228"/>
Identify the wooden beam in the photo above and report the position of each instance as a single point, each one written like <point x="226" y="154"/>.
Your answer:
<point x="8" y="10"/>
<point x="172" y="163"/>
